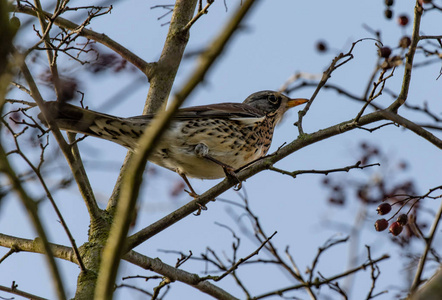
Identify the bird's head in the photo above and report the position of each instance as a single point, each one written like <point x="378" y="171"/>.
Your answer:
<point x="273" y="103"/>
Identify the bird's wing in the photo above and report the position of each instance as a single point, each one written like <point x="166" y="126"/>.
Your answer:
<point x="219" y="111"/>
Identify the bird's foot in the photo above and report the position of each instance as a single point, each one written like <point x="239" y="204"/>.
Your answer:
<point x="201" y="207"/>
<point x="230" y="173"/>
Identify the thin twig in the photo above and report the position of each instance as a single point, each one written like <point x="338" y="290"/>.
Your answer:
<point x="325" y="172"/>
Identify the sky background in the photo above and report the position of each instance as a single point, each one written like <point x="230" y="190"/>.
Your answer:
<point x="278" y="40"/>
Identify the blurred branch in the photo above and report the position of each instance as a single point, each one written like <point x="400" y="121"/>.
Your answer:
<point x="46" y="27"/>
<point x="428" y="241"/>
<point x="432" y="290"/>
<point x="39" y="176"/>
<point x="132" y="179"/>
<point x="32" y="210"/>
<point x="153" y="133"/>
<point x="132" y="175"/>
<point x="76" y="167"/>
<point x="375" y="272"/>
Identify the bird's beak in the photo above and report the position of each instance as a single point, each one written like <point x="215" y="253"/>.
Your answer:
<point x="296" y="102"/>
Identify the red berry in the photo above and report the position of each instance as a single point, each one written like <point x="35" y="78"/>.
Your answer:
<point x="396" y="228"/>
<point x="383" y="209"/>
<point x="381" y="225"/>
<point x="402" y="20"/>
<point x="402" y="219"/>
<point x="384" y="52"/>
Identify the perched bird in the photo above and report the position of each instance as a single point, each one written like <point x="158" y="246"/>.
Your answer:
<point x="207" y="141"/>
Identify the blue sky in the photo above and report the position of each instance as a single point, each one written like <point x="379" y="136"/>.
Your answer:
<point x="278" y="40"/>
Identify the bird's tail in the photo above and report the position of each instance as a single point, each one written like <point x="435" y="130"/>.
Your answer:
<point x="72" y="118"/>
<point x="123" y="131"/>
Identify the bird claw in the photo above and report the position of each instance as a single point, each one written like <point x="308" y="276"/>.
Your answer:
<point x="201" y="207"/>
<point x="230" y="173"/>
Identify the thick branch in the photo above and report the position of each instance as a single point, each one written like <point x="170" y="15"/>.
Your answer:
<point x="35" y="246"/>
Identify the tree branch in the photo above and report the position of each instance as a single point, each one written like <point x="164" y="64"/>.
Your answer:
<point x="35" y="246"/>
<point x="402" y="97"/>
<point x="115" y="246"/>
<point x="32" y="209"/>
<point x="325" y="281"/>
<point x="413" y="127"/>
<point x="325" y="172"/>
<point x="14" y="290"/>
<point x="260" y="165"/>
<point x="77" y="168"/>
<point x="175" y="274"/>
<point x="101" y="38"/>
<point x="132" y="176"/>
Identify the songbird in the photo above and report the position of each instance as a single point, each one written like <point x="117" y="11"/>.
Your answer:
<point x="206" y="142"/>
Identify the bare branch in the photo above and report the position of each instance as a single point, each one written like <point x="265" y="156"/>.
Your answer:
<point x="200" y="13"/>
<point x="176" y="274"/>
<point x="402" y="97"/>
<point x="32" y="210"/>
<point x="413" y="127"/>
<point x="325" y="172"/>
<point x="90" y="34"/>
<point x="14" y="290"/>
<point x="239" y="262"/>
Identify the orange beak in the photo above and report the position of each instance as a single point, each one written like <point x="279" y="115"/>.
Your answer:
<point x="296" y="101"/>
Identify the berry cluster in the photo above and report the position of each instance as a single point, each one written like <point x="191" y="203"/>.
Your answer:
<point x="382" y="224"/>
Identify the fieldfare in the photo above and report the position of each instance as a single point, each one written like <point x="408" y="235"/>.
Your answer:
<point x="207" y="141"/>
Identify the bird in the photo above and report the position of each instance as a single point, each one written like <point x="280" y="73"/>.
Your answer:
<point x="206" y="142"/>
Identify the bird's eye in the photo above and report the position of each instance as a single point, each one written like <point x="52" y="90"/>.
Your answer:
<point x="273" y="99"/>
